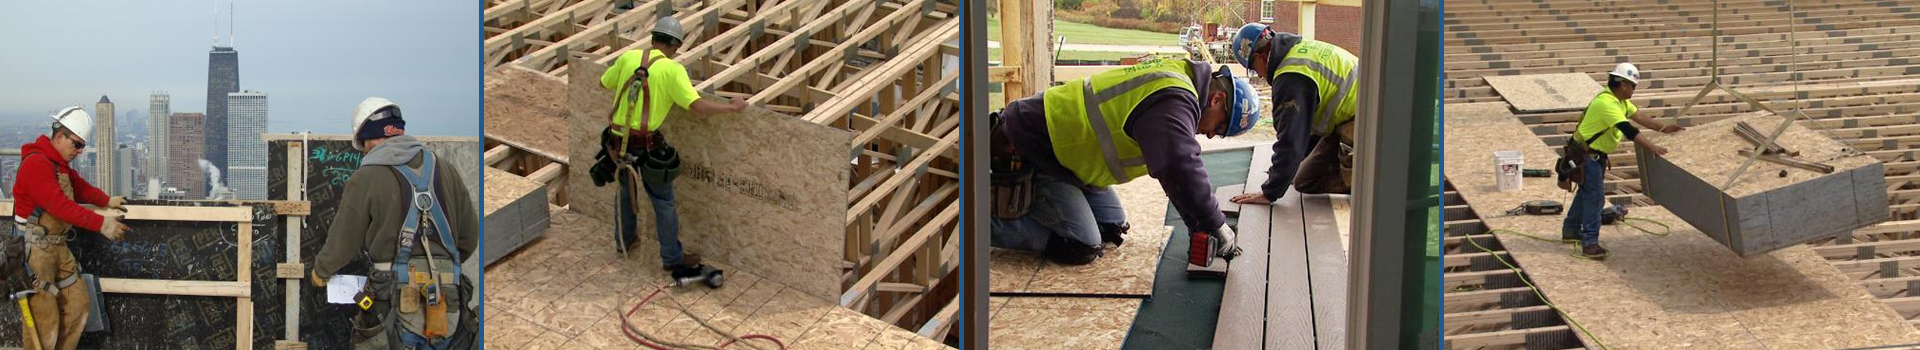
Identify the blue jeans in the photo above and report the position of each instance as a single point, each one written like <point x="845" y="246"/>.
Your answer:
<point x="1059" y="208"/>
<point x="666" y="220"/>
<point x="1583" y="217"/>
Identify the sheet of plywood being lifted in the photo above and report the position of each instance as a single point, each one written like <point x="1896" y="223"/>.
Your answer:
<point x="1660" y="292"/>
<point x="1546" y="92"/>
<point x="1772" y="205"/>
<point x="757" y="189"/>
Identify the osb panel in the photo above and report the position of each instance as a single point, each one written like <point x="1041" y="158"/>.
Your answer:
<point x="1710" y="151"/>
<point x="758" y="190"/>
<point x="1127" y="269"/>
<point x="523" y="106"/>
<point x="1063" y="323"/>
<point x="1678" y="291"/>
<point x="1011" y="270"/>
<point x="1546" y="92"/>
<point x="503" y="188"/>
<point x="563" y="292"/>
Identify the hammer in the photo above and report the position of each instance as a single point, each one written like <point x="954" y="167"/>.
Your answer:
<point x="26" y="314"/>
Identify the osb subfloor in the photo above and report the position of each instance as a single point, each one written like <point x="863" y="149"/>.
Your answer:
<point x="563" y="292"/>
<point x="1059" y="323"/>
<point x="1546" y="92"/>
<point x="1127" y="269"/>
<point x="524" y="106"/>
<point x="1678" y="291"/>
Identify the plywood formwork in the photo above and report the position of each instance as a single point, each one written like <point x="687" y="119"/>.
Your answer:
<point x="870" y="76"/>
<point x="1647" y="294"/>
<point x="1848" y="69"/>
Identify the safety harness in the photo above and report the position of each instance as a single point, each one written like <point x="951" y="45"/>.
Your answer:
<point x="40" y="229"/>
<point x="424" y="203"/>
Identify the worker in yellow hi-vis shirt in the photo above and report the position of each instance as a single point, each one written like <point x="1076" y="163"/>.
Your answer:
<point x="1601" y="129"/>
<point x="648" y="84"/>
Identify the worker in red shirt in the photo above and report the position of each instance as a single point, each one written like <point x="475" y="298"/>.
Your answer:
<point x="46" y="209"/>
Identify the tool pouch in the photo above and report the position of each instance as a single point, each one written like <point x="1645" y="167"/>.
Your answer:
<point x="661" y="164"/>
<point x="371" y="322"/>
<point x="1573" y="157"/>
<point x="1012" y="194"/>
<point x="428" y="323"/>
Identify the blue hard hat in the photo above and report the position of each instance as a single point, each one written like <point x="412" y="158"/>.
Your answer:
<point x="1244" y="110"/>
<point x="1249" y="37"/>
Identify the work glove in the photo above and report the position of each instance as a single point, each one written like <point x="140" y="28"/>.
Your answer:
<point x="313" y="277"/>
<point x="111" y="227"/>
<point x="1207" y="245"/>
<point x="119" y="203"/>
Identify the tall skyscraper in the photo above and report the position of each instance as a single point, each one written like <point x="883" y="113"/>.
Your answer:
<point x="223" y="77"/>
<point x="103" y="146"/>
<point x="246" y="152"/>
<point x="123" y="172"/>
<point x="183" y="158"/>
<point x="159" y="106"/>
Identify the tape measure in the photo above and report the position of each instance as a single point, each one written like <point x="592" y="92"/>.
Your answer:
<point x="365" y="301"/>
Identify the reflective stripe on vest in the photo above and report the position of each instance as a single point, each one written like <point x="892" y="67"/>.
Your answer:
<point x="1334" y="72"/>
<point x="1075" y="113"/>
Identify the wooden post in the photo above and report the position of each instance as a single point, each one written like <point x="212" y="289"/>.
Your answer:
<point x="1026" y="45"/>
<point x="296" y="191"/>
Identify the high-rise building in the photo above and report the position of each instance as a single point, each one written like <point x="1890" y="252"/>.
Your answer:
<point x="159" y="106"/>
<point x="223" y="77"/>
<point x="246" y="152"/>
<point x="123" y="172"/>
<point x="184" y="154"/>
<point x="103" y="146"/>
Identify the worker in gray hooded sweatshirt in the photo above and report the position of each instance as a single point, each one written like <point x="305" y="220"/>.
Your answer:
<point x="406" y="212"/>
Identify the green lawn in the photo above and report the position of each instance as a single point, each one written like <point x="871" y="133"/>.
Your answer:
<point x="1081" y="33"/>
<point x="993" y="54"/>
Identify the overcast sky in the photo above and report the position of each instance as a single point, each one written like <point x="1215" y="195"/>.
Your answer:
<point x="315" y="59"/>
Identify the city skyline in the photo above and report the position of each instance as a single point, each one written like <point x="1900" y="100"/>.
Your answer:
<point x="318" y="59"/>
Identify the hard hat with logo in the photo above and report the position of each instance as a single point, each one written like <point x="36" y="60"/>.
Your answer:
<point x="1250" y="36"/>
<point x="1626" y="71"/>
<point x="1243" y="111"/>
<point x="75" y="120"/>
<point x="376" y="118"/>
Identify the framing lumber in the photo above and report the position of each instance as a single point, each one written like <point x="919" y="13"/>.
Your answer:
<point x="875" y="68"/>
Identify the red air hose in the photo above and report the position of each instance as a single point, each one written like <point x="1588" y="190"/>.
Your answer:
<point x="637" y="338"/>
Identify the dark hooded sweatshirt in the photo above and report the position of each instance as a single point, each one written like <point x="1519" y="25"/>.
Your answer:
<point x="1163" y="124"/>
<point x="376" y="201"/>
<point x="1294" y="97"/>
<point x="37" y="186"/>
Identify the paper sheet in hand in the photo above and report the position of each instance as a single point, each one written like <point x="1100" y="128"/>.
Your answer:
<point x="342" y="288"/>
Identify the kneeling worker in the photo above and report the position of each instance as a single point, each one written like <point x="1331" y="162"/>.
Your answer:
<point x="1056" y="154"/>
<point x="1314" y="99"/>
<point x="46" y="212"/>
<point x="407" y="211"/>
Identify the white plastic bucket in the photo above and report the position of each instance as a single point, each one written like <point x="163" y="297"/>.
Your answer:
<point x="1507" y="165"/>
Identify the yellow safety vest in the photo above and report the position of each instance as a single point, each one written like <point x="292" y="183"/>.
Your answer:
<point x="1334" y="72"/>
<point x="1086" y="121"/>
<point x="1602" y="114"/>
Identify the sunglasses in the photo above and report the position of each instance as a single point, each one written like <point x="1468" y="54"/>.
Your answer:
<point x="75" y="139"/>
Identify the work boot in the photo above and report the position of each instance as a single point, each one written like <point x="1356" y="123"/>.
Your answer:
<point x="688" y="259"/>
<point x="1068" y="252"/>
<point x="1114" y="233"/>
<point x="1569" y="236"/>
<point x="686" y="270"/>
<point x="1593" y="251"/>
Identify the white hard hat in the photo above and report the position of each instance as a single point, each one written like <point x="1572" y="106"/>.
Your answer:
<point x="75" y="120"/>
<point x="372" y="109"/>
<point x="1626" y="71"/>
<point x="670" y="27"/>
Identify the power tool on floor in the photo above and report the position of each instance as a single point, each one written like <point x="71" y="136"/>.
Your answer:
<point x="712" y="277"/>
<point x="1538" y="207"/>
<point x="1612" y="214"/>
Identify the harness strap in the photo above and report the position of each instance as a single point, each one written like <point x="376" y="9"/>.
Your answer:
<point x="423" y="201"/>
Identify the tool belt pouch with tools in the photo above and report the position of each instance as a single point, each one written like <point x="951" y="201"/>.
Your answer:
<point x="1010" y="180"/>
<point x="426" y="305"/>
<point x="1572" y="161"/>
